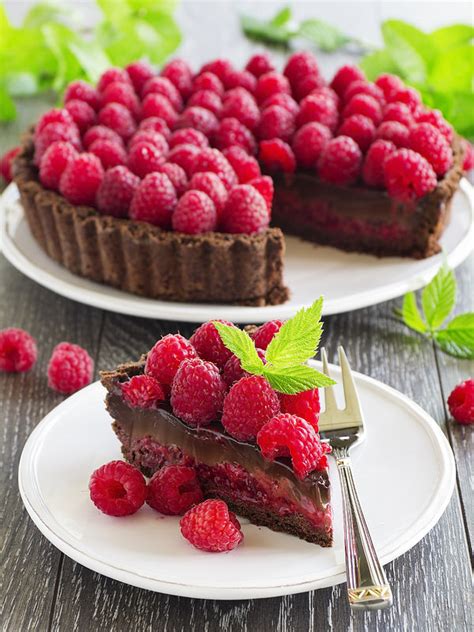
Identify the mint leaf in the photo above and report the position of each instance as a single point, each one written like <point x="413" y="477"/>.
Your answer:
<point x="295" y="379"/>
<point x="282" y="17"/>
<point x="377" y="63"/>
<point x="453" y="70"/>
<point x="45" y="12"/>
<point x="457" y="338"/>
<point x="411" y="314"/>
<point x="241" y="345"/>
<point x="91" y="58"/>
<point x="7" y="107"/>
<point x="418" y="40"/>
<point x="266" y="31"/>
<point x="410" y="63"/>
<point x="439" y="297"/>
<point x="328" y="38"/>
<point x="452" y="36"/>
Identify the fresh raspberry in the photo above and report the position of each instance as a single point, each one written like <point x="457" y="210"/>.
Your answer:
<point x="116" y="191"/>
<point x="173" y="490"/>
<point x="210" y="526"/>
<point x="276" y="155"/>
<point x="208" y="81"/>
<point x="276" y="122"/>
<point x="389" y="84"/>
<point x="112" y="75"/>
<point x="271" y="83"/>
<point x="159" y="106"/>
<point x="163" y="86"/>
<point x="142" y="391"/>
<point x="364" y="104"/>
<point x="208" y="344"/>
<point x="233" y="370"/>
<point x="54" y="161"/>
<point x="360" y="128"/>
<point x="195" y="213"/>
<point x="197" y="393"/>
<point x="240" y="104"/>
<point x="436" y="118"/>
<point x="70" y="368"/>
<point x="291" y="436"/>
<point x="299" y="66"/>
<point x="305" y="405"/>
<point x="149" y="136"/>
<point x="119" y="119"/>
<point x="264" y="185"/>
<point x="215" y="161"/>
<point x="186" y="156"/>
<point x="468" y="149"/>
<point x="117" y="489"/>
<point x="283" y="100"/>
<point x="245" y="166"/>
<point x="409" y="96"/>
<point x="259" y="64"/>
<point x="231" y="132"/>
<point x="398" y="112"/>
<point x="395" y="132"/>
<point x="408" y="175"/>
<point x="241" y="79"/>
<point x="249" y="404"/>
<point x="156" y="124"/>
<point x="166" y="355"/>
<point x="188" y="136"/>
<point x="180" y="75"/>
<point x="245" y="212"/>
<point x="52" y="133"/>
<point x="144" y="158"/>
<point x="210" y="184"/>
<point x="340" y="161"/>
<point x="139" y="72"/>
<point x="82" y="91"/>
<point x="461" y="402"/>
<point x="81" y="179"/>
<point x="206" y="99"/>
<point x="264" y="334"/>
<point x="308" y="85"/>
<point x="328" y="92"/>
<point x="372" y="169"/>
<point x="222" y="68"/>
<point x="319" y="108"/>
<point x="55" y="115"/>
<point x="345" y="76"/>
<point x="177" y="175"/>
<point x="309" y="142"/>
<point x="110" y="154"/>
<point x="154" y="200"/>
<point x="82" y="114"/>
<point x="100" y="132"/>
<point x="6" y="162"/>
<point x="117" y="92"/>
<point x="18" y="350"/>
<point x="199" y="118"/>
<point x="428" y="141"/>
<point x="362" y="86"/>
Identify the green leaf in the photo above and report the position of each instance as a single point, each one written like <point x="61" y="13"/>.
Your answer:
<point x="92" y="59"/>
<point x="411" y="314"/>
<point x="328" y="38"/>
<point x="418" y="40"/>
<point x="45" y="12"/>
<point x="410" y="63"/>
<point x="58" y="38"/>
<point x="452" y="36"/>
<point x="377" y="63"/>
<point x="282" y="17"/>
<point x="453" y="70"/>
<point x="20" y="84"/>
<point x="457" y="338"/>
<point x="295" y="379"/>
<point x="265" y="31"/>
<point x="438" y="297"/>
<point x="115" y="11"/>
<point x="241" y="345"/>
<point x="7" y="107"/>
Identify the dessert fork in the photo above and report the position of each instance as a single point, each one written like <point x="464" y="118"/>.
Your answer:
<point x="367" y="585"/>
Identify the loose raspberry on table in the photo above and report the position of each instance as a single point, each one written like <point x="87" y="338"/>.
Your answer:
<point x="363" y="104"/>
<point x="188" y="136"/>
<point x="144" y="158"/>
<point x="55" y="115"/>
<point x="409" y="96"/>
<point x="122" y="93"/>
<point x="264" y="334"/>
<point x="245" y="211"/>
<point x="340" y="161"/>
<point x="139" y="72"/>
<point x="276" y="155"/>
<point x="117" y="489"/>
<point x="162" y="85"/>
<point x="199" y="118"/>
<point x="362" y="86"/>
<point x="112" y="75"/>
<point x="82" y="114"/>
<point x="276" y="122"/>
<point x="212" y="527"/>
<point x="245" y="166"/>
<point x="208" y="344"/>
<point x="240" y="104"/>
<point x="180" y="75"/>
<point x="408" y="175"/>
<point x="177" y="175"/>
<point x="259" y="64"/>
<point x="70" y="368"/>
<point x="55" y="132"/>
<point x="309" y="142"/>
<point x="264" y="185"/>
<point x="305" y="405"/>
<point x="119" y="119"/>
<point x="53" y="163"/>
<point x="344" y="77"/>
<point x="249" y="404"/>
<point x="81" y="179"/>
<point x="318" y="108"/>
<point x="208" y="81"/>
<point x="197" y="392"/>
<point x="110" y="153"/>
<point x="195" y="213"/>
<point x="116" y="191"/>
<point x="156" y="124"/>
<point x="271" y="83"/>
<point x="428" y="141"/>
<point x="186" y="156"/>
<point x="222" y="68"/>
<point x="166" y="355"/>
<point x="231" y="132"/>
<point x="210" y="184"/>
<point x="173" y="490"/>
<point x="18" y="351"/>
<point x="142" y="391"/>
<point x="436" y="118"/>
<point x="299" y="66"/>
<point x="461" y="402"/>
<point x="389" y="84"/>
<point x="82" y="91"/>
<point x="241" y="79"/>
<point x="150" y="136"/>
<point x="233" y="370"/>
<point x="372" y="169"/>
<point x="398" y="112"/>
<point x="215" y="161"/>
<point x="208" y="100"/>
<point x="283" y="100"/>
<point x="308" y="85"/>
<point x="100" y="132"/>
<point x="158" y="105"/>
<point x="154" y="200"/>
<point x="6" y="162"/>
<point x="291" y="436"/>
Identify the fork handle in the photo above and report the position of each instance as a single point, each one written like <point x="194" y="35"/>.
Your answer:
<point x="367" y="584"/>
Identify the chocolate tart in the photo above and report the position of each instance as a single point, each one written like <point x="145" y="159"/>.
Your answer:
<point x="266" y="492"/>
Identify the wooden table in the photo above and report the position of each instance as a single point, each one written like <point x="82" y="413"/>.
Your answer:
<point x="44" y="590"/>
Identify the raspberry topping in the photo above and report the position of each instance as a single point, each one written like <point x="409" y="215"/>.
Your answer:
<point x="112" y="75"/>
<point x="117" y="489"/>
<point x="185" y="156"/>
<point x="208" y="81"/>
<point x="150" y="136"/>
<point x="6" y="162"/>
<point x="264" y="334"/>
<point x="283" y="100"/>
<point x="245" y="211"/>
<point x="156" y="124"/>
<point x="142" y="391"/>
<point x="215" y="161"/>
<point x="345" y="76"/>
<point x="436" y="118"/>
<point x="264" y="185"/>
<point x="299" y="66"/>
<point x="395" y="132"/>
<point x="389" y="84"/>
<point x="70" y="368"/>
<point x="54" y="161"/>
<point x="241" y="79"/>
<point x="154" y="200"/>
<point x="276" y="155"/>
<point x="188" y="136"/>
<point x="210" y="526"/>
<point x="233" y="370"/>
<point x="259" y="64"/>
<point x="361" y="86"/>
<point x="372" y="170"/>
<point x="428" y="141"/>
<point x="82" y="91"/>
<point x="139" y="73"/>
<point x="408" y="175"/>
<point x="109" y="153"/>
<point x="210" y="184"/>
<point x="18" y="350"/>
<point x="222" y="68"/>
<point x="208" y="344"/>
<point x="158" y="105"/>
<point x="177" y="175"/>
<point x="100" y="132"/>
<point x="81" y="179"/>
<point x="366" y="105"/>
<point x="162" y="85"/>
<point x="122" y="93"/>
<point x="271" y="83"/>
<point x="461" y="402"/>
<point x="409" y="96"/>
<point x="468" y="149"/>
<point x="199" y="118"/>
<point x="319" y="108"/>
<point x="116" y="191"/>
<point x="340" y="161"/>
<point x="173" y="490"/>
<point x="231" y="132"/>
<point x="360" y="128"/>
<point x="308" y="85"/>
<point x="56" y="115"/>
<point x="241" y="105"/>
<point x="82" y="114"/>
<point x="305" y="405"/>
<point x="180" y="75"/>
<point x="119" y="119"/>
<point x="55" y="132"/>
<point x="144" y="158"/>
<point x="309" y="142"/>
<point x="195" y="213"/>
<point x="398" y="112"/>
<point x="245" y="166"/>
<point x="276" y="122"/>
<point x="166" y="355"/>
<point x="208" y="100"/>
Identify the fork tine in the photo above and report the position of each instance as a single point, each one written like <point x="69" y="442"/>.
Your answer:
<point x="329" y="397"/>
<point x="350" y="393"/>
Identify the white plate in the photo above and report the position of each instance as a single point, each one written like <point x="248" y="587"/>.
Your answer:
<point x="347" y="281"/>
<point x="404" y="471"/>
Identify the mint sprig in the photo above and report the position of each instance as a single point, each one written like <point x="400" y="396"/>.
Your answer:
<point x="286" y="356"/>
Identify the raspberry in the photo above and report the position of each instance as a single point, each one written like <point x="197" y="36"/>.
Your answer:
<point x="139" y="73"/>
<point x="208" y="81"/>
<point x="215" y="161"/>
<point x="461" y="402"/>
<point x="54" y="161"/>
<point x="206" y="99"/>
<point x="199" y="118"/>
<point x="408" y="175"/>
<point x="144" y="158"/>
<point x="110" y="153"/>
<point x="149" y="136"/>
<point x="210" y="526"/>
<point x="70" y="368"/>
<point x="195" y="213"/>
<point x="156" y="124"/>
<point x="276" y="122"/>
<point x="291" y="436"/>
<point x="362" y="86"/>
<point x="233" y="370"/>
<point x="117" y="489"/>
<point x="231" y="132"/>
<point x="305" y="405"/>
<point x="249" y="404"/>
<point x="52" y="133"/>
<point x="197" y="392"/>
<point x="340" y="161"/>
<point x="395" y="132"/>
<point x="319" y="108"/>
<point x="100" y="132"/>
<point x="210" y="184"/>
<point x="56" y="115"/>
<point x="116" y="191"/>
<point x="82" y="114"/>
<point x="142" y="391"/>
<point x="308" y="143"/>
<point x="188" y="136"/>
<point x="240" y="104"/>
<point x="119" y="119"/>
<point x="276" y="155"/>
<point x="177" y="175"/>
<point x="468" y="149"/>
<point x="112" y="75"/>
<point x="264" y="334"/>
<point x="173" y="490"/>
<point x="264" y="185"/>
<point x="186" y="156"/>
<point x="122" y="93"/>
<point x="409" y="96"/>
<point x="180" y="75"/>
<point x="166" y="355"/>
<point x="328" y="92"/>
<point x="428" y="141"/>
<point x="241" y="79"/>
<point x="154" y="200"/>
<point x="82" y="91"/>
<point x="345" y="76"/>
<point x="18" y="350"/>
<point x="208" y="344"/>
<point x="259" y="64"/>
<point x="245" y="212"/>
<point x="308" y="85"/>
<point x="360" y="128"/>
<point x="6" y="162"/>
<point x="436" y="118"/>
<point x="284" y="101"/>
<point x="366" y="105"/>
<point x="245" y="166"/>
<point x="222" y="68"/>
<point x="398" y="112"/>
<point x="163" y="86"/>
<point x="271" y="83"/>
<point x="159" y="106"/>
<point x="299" y="66"/>
<point x="81" y="179"/>
<point x="389" y="84"/>
<point x="372" y="170"/>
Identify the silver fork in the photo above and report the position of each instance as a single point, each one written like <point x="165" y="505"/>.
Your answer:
<point x="367" y="585"/>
